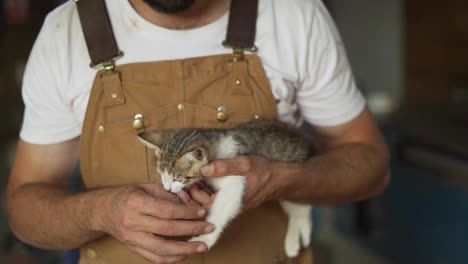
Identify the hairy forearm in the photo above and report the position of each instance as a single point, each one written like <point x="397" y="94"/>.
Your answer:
<point x="343" y="174"/>
<point x="48" y="217"/>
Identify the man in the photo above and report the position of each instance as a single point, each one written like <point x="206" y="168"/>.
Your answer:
<point x="170" y="76"/>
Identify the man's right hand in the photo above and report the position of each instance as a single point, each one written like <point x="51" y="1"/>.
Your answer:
<point x="139" y="215"/>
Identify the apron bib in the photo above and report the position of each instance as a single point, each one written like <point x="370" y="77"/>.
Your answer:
<point x="218" y="91"/>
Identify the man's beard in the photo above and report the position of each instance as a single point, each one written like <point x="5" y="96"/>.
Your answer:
<point x="169" y="6"/>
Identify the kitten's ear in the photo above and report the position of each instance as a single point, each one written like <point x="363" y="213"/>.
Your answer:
<point x="153" y="140"/>
<point x="198" y="154"/>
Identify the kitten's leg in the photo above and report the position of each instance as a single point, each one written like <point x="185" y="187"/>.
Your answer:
<point x="299" y="227"/>
<point x="226" y="206"/>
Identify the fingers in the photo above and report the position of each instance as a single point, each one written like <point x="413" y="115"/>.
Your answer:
<point x="239" y="165"/>
<point x="162" y="247"/>
<point x="169" y="210"/>
<point x="137" y="213"/>
<point x="200" y="196"/>
<point x="186" y="199"/>
<point x="173" y="227"/>
<point x="205" y="187"/>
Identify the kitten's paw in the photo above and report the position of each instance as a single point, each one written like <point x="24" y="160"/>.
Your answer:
<point x="306" y="233"/>
<point x="298" y="231"/>
<point x="208" y="239"/>
<point x="292" y="247"/>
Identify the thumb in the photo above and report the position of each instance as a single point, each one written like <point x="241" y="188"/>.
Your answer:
<point x="208" y="170"/>
<point x="218" y="168"/>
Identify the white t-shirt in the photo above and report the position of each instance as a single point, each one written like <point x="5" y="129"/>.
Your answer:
<point x="297" y="41"/>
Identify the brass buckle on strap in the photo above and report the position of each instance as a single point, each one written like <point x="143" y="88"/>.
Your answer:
<point x="108" y="65"/>
<point x="238" y="52"/>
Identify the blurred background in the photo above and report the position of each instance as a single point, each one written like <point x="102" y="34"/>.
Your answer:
<point x="410" y="58"/>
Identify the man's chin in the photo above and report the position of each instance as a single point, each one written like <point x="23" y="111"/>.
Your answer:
<point x="169" y="6"/>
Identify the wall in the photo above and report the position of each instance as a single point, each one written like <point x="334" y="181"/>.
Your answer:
<point x="372" y="33"/>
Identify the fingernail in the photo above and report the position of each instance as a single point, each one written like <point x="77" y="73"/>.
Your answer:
<point x="209" y="229"/>
<point x="201" y="212"/>
<point x="207" y="169"/>
<point x="201" y="248"/>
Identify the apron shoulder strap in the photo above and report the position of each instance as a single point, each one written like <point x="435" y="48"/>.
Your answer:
<point x="97" y="29"/>
<point x="242" y="24"/>
<point x="102" y="46"/>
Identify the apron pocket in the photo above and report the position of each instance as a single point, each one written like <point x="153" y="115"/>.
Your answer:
<point x="121" y="146"/>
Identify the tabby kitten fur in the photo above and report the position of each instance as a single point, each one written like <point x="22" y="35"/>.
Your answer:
<point x="180" y="153"/>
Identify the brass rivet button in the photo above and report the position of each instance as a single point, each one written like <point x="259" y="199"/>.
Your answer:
<point x="238" y="82"/>
<point x="138" y="122"/>
<point x="101" y="130"/>
<point x="181" y="107"/>
<point x="90" y="253"/>
<point x="222" y="114"/>
<point x="257" y="117"/>
<point x="114" y="95"/>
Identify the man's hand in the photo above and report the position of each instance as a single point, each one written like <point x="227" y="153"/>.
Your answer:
<point x="139" y="216"/>
<point x="352" y="165"/>
<point x="302" y="182"/>
<point x="259" y="177"/>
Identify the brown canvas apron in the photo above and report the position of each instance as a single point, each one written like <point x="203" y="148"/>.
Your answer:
<point x="214" y="91"/>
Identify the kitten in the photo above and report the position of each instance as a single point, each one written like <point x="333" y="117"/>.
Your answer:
<point x="182" y="152"/>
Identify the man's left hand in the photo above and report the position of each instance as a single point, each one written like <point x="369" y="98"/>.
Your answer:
<point x="258" y="171"/>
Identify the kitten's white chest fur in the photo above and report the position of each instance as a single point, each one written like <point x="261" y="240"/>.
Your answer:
<point x="227" y="148"/>
<point x="228" y="204"/>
